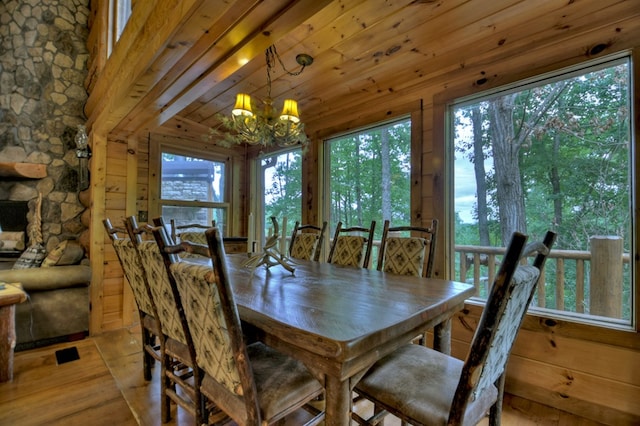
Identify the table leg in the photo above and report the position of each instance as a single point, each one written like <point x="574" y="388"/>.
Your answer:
<point x="442" y="337"/>
<point x="338" y="402"/>
<point x="7" y="342"/>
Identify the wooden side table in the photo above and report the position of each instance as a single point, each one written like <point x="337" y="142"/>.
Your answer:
<point x="9" y="296"/>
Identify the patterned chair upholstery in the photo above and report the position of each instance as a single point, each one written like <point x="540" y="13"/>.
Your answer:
<point x="405" y="256"/>
<point x="306" y="241"/>
<point x="161" y="290"/>
<point x="352" y="250"/>
<point x="179" y="368"/>
<point x="151" y="329"/>
<point x="460" y="392"/>
<point x="253" y="384"/>
<point x="408" y="255"/>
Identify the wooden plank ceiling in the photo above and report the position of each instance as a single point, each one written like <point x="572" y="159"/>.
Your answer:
<point x="194" y="56"/>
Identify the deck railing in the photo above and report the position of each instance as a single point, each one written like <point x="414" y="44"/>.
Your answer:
<point x="595" y="280"/>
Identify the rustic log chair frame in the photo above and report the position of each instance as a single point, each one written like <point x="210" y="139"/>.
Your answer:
<point x="319" y="231"/>
<point x="483" y="371"/>
<point x="179" y="359"/>
<point x="149" y="322"/>
<point x="367" y="234"/>
<point x="243" y="405"/>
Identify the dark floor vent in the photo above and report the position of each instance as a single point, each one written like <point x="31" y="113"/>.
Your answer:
<point x="67" y="355"/>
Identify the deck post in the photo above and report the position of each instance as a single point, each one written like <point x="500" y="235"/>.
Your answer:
<point x="606" y="276"/>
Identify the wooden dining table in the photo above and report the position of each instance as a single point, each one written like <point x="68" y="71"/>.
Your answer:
<point x="339" y="320"/>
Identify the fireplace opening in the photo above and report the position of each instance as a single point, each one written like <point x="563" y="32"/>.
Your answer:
<point x="13" y="227"/>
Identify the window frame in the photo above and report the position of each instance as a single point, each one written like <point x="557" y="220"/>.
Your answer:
<point x="566" y="325"/>
<point x="194" y="153"/>
<point x="117" y="21"/>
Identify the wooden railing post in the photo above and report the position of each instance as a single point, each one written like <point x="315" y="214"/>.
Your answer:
<point x="606" y="276"/>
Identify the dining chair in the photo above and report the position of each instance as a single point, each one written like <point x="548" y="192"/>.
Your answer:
<point x="193" y="232"/>
<point x="411" y="254"/>
<point x="352" y="246"/>
<point x="253" y="383"/>
<point x="181" y="377"/>
<point x="423" y="386"/>
<point x="306" y="241"/>
<point x="152" y="338"/>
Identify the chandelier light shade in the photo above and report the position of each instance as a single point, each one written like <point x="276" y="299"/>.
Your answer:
<point x="243" y="105"/>
<point x="256" y="124"/>
<point x="290" y="111"/>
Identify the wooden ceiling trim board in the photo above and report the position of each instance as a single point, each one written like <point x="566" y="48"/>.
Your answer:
<point x="458" y="83"/>
<point x="382" y="71"/>
<point x="453" y="58"/>
<point x="329" y="67"/>
<point x="318" y="31"/>
<point x="232" y="42"/>
<point x="452" y="19"/>
<point x="440" y="64"/>
<point x="208" y="33"/>
<point x="151" y="24"/>
<point x="352" y="19"/>
<point x="321" y="27"/>
<point x="582" y="35"/>
<point x="279" y="25"/>
<point x="185" y="128"/>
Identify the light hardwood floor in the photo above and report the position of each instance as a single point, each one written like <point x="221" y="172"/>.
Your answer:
<point x="105" y="387"/>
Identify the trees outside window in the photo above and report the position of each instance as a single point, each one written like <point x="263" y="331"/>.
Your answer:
<point x="368" y="176"/>
<point x="281" y="181"/>
<point x="551" y="155"/>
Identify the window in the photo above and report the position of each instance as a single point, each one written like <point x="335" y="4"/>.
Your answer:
<point x="281" y="186"/>
<point x="552" y="154"/>
<point x="193" y="190"/>
<point x="368" y="176"/>
<point x="119" y="13"/>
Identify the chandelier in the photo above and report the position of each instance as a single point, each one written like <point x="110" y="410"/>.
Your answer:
<point x="252" y="124"/>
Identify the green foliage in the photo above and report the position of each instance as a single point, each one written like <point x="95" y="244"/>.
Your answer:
<point x="572" y="139"/>
<point x="283" y="186"/>
<point x="356" y="185"/>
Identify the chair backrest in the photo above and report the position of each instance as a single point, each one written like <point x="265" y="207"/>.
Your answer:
<point x="348" y="249"/>
<point x="132" y="268"/>
<point x="167" y="299"/>
<point x="213" y="318"/>
<point x="193" y="232"/>
<point x="306" y="241"/>
<point x="411" y="254"/>
<point x="509" y="298"/>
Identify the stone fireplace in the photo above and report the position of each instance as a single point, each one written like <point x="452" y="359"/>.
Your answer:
<point x="43" y="61"/>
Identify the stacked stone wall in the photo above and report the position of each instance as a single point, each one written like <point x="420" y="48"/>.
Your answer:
<point x="43" y="66"/>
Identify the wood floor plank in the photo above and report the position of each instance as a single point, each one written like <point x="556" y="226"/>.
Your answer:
<point x="77" y="392"/>
<point x="106" y="387"/>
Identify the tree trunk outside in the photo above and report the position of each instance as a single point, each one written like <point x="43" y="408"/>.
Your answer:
<point x="386" y="173"/>
<point x="480" y="173"/>
<point x="505" y="156"/>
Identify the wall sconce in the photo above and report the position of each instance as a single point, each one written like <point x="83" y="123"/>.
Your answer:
<point x="83" y="152"/>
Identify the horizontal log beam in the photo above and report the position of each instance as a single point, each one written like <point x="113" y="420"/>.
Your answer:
<point x="23" y="170"/>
